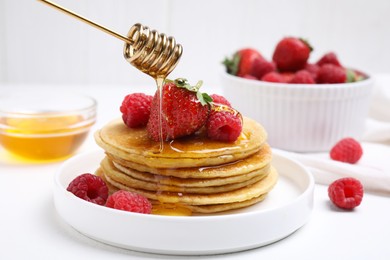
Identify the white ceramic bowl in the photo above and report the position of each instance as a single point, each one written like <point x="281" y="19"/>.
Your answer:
<point x="302" y="117"/>
<point x="287" y="208"/>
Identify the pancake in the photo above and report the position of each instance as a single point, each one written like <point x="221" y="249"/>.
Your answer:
<point x="253" y="162"/>
<point x="200" y="209"/>
<point x="159" y="185"/>
<point x="239" y="195"/>
<point x="188" y="182"/>
<point x="134" y="145"/>
<point x="208" y="209"/>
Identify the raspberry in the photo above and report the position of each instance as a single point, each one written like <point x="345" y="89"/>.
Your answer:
<point x="329" y="58"/>
<point x="302" y="77"/>
<point x="89" y="187"/>
<point x="217" y="99"/>
<point x="273" y="77"/>
<point x="224" y="125"/>
<point x="129" y="201"/>
<point x="135" y="109"/>
<point x="287" y="76"/>
<point x="261" y="67"/>
<point x="346" y="150"/>
<point x="330" y="73"/>
<point x="313" y="69"/>
<point x="346" y="193"/>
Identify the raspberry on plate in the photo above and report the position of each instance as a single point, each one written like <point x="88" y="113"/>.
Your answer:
<point x="135" y="109"/>
<point x="224" y="125"/>
<point x="346" y="193"/>
<point x="89" y="187"/>
<point x="218" y="99"/>
<point x="347" y="150"/>
<point x="129" y="201"/>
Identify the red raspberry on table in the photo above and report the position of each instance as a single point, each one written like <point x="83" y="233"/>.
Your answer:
<point x="329" y="58"/>
<point x="89" y="187"/>
<point x="135" y="109"/>
<point x="261" y="67"/>
<point x="346" y="193"/>
<point x="224" y="124"/>
<point x="302" y="77"/>
<point x="217" y="99"/>
<point x="291" y="54"/>
<point x="332" y="74"/>
<point x="129" y="201"/>
<point x="346" y="150"/>
<point x="273" y="77"/>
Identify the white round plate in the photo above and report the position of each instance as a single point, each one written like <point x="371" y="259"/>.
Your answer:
<point x="287" y="208"/>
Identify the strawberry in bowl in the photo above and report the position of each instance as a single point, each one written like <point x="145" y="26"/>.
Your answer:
<point x="305" y="105"/>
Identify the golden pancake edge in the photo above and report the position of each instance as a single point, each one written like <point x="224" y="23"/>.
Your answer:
<point x="133" y="145"/>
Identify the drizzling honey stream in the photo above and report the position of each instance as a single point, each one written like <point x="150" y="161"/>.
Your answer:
<point x="149" y="51"/>
<point x="153" y="53"/>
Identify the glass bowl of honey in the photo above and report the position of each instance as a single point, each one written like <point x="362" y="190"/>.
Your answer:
<point x="45" y="126"/>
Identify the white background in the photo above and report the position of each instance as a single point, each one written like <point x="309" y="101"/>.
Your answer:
<point x="39" y="45"/>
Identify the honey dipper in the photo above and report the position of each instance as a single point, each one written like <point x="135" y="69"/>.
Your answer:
<point x="152" y="53"/>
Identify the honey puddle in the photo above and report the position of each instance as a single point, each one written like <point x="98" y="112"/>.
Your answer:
<point x="42" y="139"/>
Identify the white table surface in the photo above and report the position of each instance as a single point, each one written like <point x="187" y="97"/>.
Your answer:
<point x="30" y="227"/>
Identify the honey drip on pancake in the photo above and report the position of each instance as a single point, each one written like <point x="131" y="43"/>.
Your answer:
<point x="161" y="207"/>
<point x="160" y="83"/>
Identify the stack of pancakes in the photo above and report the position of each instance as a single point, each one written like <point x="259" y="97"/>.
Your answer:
<point x="200" y="174"/>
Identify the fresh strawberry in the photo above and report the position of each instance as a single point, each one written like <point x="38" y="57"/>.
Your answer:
<point x="291" y="54"/>
<point x="261" y="67"/>
<point x="302" y="77"/>
<point x="329" y="58"/>
<point x="313" y="69"/>
<point x="273" y="77"/>
<point x="242" y="62"/>
<point x="184" y="110"/>
<point x="330" y="73"/>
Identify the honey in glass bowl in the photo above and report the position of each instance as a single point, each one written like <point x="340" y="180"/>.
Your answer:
<point x="43" y="127"/>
